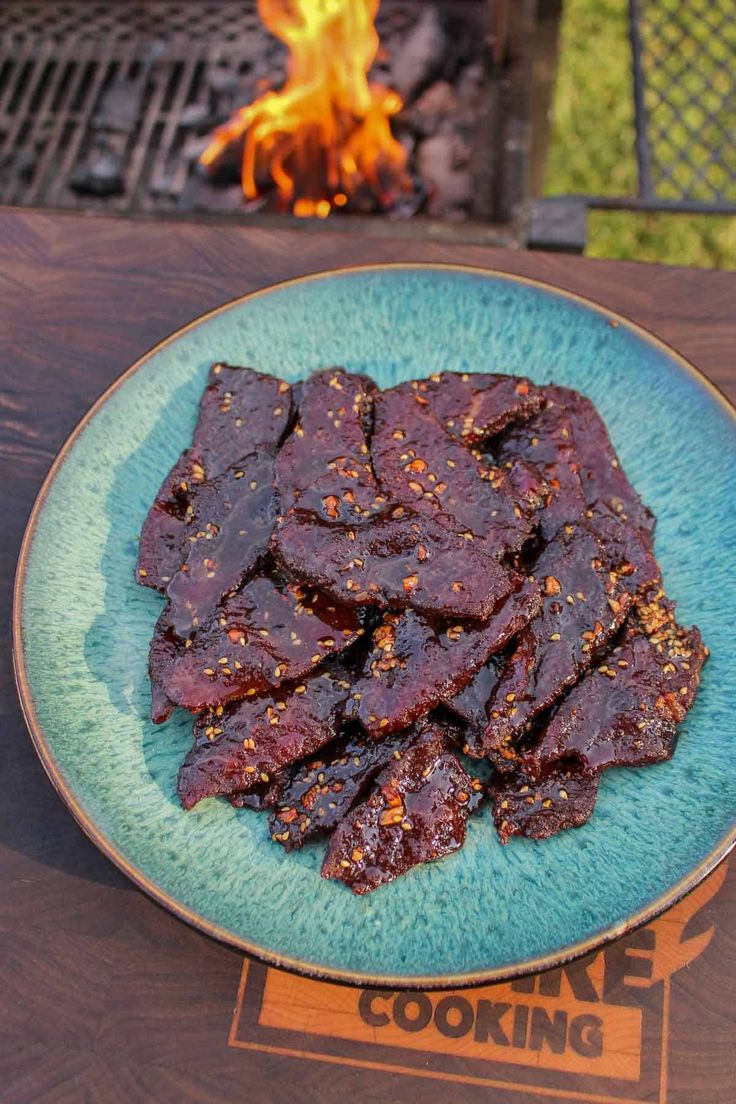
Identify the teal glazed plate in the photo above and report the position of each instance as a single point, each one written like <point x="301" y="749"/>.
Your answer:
<point x="82" y="627"/>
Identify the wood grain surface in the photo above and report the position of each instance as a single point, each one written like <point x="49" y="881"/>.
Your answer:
<point x="106" y="998"/>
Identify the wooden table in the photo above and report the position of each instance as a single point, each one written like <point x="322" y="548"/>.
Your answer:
<point x="104" y="996"/>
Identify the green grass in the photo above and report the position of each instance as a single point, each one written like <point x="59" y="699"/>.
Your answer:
<point x="592" y="147"/>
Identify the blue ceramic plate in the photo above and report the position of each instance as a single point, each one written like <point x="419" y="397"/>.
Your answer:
<point x="82" y="628"/>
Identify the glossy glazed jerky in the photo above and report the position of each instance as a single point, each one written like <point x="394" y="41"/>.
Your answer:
<point x="417" y="812"/>
<point x="236" y="516"/>
<point x="560" y="798"/>
<point x="254" y="739"/>
<point x="520" y="599"/>
<point x="265" y="795"/>
<point x="626" y="711"/>
<point x="399" y="559"/>
<point x="470" y="704"/>
<point x="162" y="655"/>
<point x="604" y="480"/>
<point x="547" y="442"/>
<point x="584" y="605"/>
<point x="325" y="464"/>
<point x="163" y="542"/>
<point x="473" y="406"/>
<point x="267" y="633"/>
<point x="320" y="792"/>
<point x="241" y="411"/>
<point x="630" y="551"/>
<point x="417" y="662"/>
<point x="416" y="463"/>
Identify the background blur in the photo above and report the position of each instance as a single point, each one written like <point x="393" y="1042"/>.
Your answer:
<point x="592" y="147"/>
<point x="552" y="124"/>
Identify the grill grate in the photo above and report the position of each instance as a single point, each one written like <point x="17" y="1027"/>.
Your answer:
<point x="685" y="94"/>
<point x="105" y="106"/>
<point x="109" y="82"/>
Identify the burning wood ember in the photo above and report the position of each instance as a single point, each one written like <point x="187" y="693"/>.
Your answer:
<point x="416" y="104"/>
<point x="326" y="136"/>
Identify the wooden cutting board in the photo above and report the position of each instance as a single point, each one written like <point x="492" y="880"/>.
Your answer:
<point x="104" y="997"/>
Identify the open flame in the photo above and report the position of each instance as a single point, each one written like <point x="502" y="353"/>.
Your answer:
<point x="325" y="138"/>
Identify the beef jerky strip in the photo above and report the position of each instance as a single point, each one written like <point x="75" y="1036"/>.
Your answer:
<point x="561" y="798"/>
<point x="325" y="464"/>
<point x="609" y="494"/>
<point x="417" y="662"/>
<point x="266" y="795"/>
<point x="417" y="464"/>
<point x="247" y="743"/>
<point x="629" y="550"/>
<point x="162" y="656"/>
<point x="268" y="632"/>
<point x="472" y="406"/>
<point x="320" y="792"/>
<point x="604" y="480"/>
<point x="399" y="558"/>
<point x="417" y="812"/>
<point x="583" y="607"/>
<point x="235" y="522"/>
<point x="546" y="441"/>
<point x="163" y="542"/>
<point x="470" y="704"/>
<point x="625" y="712"/>
<point x="240" y="410"/>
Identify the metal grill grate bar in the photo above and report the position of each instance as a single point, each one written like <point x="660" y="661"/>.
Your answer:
<point x="78" y="121"/>
<point x="41" y="119"/>
<point x="183" y="88"/>
<point x="70" y="91"/>
<point x="69" y="138"/>
<point x="151" y="118"/>
<point x="24" y="96"/>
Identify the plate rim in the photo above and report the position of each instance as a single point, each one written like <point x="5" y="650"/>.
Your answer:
<point x="304" y="967"/>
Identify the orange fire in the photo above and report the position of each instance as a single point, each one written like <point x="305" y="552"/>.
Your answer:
<point x="326" y="136"/>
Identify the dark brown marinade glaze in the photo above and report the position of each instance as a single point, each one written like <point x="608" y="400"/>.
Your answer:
<point x="245" y="744"/>
<point x="236" y="516"/>
<point x="320" y="792"/>
<point x="269" y="632"/>
<point x="547" y="442"/>
<point x="626" y="711"/>
<point x="416" y="813"/>
<point x="385" y="500"/>
<point x="470" y="704"/>
<point x="162" y="656"/>
<point x="473" y="406"/>
<point x="265" y="795"/>
<point x="240" y="409"/>
<point x="630" y="550"/>
<point x="604" y="480"/>
<point x="417" y="464"/>
<point x="560" y="798"/>
<point x="399" y="558"/>
<point x="584" y="606"/>
<point x="324" y="466"/>
<point x="163" y="542"/>
<point x="417" y="662"/>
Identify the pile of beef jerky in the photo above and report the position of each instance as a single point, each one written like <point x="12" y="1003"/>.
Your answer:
<point x="366" y="590"/>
